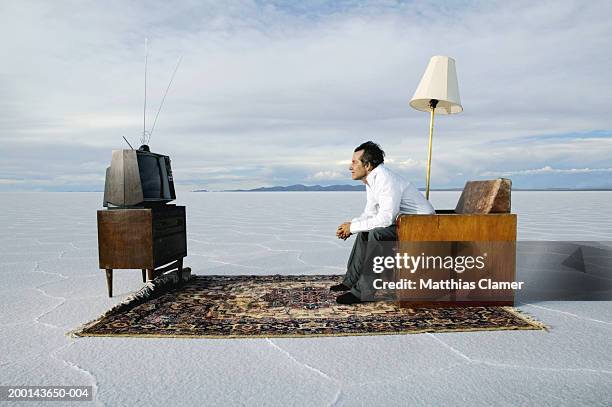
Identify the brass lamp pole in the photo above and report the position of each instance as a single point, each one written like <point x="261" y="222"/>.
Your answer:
<point x="432" y="104"/>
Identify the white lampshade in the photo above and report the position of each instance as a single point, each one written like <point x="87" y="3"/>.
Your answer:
<point x="438" y="82"/>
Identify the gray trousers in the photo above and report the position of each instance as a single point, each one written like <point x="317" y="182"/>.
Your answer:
<point x="359" y="275"/>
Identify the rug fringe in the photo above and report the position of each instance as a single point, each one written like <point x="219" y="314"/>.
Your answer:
<point x="420" y="331"/>
<point x="151" y="289"/>
<point x="527" y="318"/>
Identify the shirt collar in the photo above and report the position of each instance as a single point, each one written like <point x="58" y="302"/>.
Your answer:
<point x="372" y="175"/>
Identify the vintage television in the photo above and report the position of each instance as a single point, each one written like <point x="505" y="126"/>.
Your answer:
<point x="138" y="178"/>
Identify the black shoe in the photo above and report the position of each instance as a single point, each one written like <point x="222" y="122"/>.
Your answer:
<point x="339" y="287"/>
<point x="347" y="298"/>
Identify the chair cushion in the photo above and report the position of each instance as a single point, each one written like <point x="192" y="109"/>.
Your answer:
<point x="490" y="196"/>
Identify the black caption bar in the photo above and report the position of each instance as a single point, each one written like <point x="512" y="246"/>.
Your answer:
<point x="46" y="393"/>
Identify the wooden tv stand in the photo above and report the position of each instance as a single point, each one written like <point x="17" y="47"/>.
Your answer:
<point x="142" y="238"/>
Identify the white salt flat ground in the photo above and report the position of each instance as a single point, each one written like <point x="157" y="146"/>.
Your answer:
<point x="51" y="284"/>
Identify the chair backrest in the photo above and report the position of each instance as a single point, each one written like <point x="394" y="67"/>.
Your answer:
<point x="490" y="196"/>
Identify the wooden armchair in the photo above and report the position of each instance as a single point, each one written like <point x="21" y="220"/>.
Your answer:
<point x="481" y="224"/>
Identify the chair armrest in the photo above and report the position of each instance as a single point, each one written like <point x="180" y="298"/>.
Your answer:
<point x="457" y="227"/>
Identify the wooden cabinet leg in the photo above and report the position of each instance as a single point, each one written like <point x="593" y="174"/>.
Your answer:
<point x="150" y="274"/>
<point x="144" y="275"/>
<point x="109" y="281"/>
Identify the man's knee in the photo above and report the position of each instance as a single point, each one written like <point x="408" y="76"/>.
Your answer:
<point x="362" y="236"/>
<point x="383" y="233"/>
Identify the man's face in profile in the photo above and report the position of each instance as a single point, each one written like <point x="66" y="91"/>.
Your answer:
<point x="358" y="170"/>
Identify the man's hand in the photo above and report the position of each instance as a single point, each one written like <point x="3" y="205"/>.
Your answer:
<point x="344" y="231"/>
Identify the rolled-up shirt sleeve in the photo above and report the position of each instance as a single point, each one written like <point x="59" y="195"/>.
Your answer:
<point x="388" y="195"/>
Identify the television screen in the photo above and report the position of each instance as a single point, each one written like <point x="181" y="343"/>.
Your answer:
<point x="151" y="176"/>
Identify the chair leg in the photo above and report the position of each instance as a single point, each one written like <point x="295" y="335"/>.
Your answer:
<point x="109" y="281"/>
<point x="144" y="275"/>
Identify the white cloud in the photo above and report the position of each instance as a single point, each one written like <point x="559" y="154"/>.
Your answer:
<point x="329" y="175"/>
<point x="277" y="92"/>
<point x="411" y="164"/>
<point x="11" y="181"/>
<point x="548" y="170"/>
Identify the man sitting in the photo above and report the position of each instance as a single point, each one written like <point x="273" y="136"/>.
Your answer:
<point x="387" y="195"/>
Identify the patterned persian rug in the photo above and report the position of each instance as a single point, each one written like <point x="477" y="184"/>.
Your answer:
<point x="280" y="305"/>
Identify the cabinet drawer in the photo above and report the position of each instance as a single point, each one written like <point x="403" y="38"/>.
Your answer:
<point x="169" y="247"/>
<point x="168" y="226"/>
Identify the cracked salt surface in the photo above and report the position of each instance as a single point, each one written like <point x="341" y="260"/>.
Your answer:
<point x="48" y="264"/>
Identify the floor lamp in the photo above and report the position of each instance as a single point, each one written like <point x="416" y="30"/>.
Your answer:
<point x="438" y="92"/>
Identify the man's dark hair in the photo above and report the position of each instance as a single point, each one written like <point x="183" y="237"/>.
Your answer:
<point x="372" y="154"/>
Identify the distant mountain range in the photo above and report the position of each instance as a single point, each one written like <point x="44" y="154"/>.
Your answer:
<point x="346" y="187"/>
<point x="303" y="188"/>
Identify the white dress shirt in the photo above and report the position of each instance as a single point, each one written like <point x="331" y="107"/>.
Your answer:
<point x="388" y="195"/>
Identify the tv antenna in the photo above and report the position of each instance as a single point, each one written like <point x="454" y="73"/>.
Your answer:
<point x="146" y="135"/>
<point x="144" y="113"/>
<point x="178" y="63"/>
<point x="126" y="140"/>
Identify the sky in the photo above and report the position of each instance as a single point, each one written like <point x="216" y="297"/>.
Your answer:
<point x="280" y="92"/>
